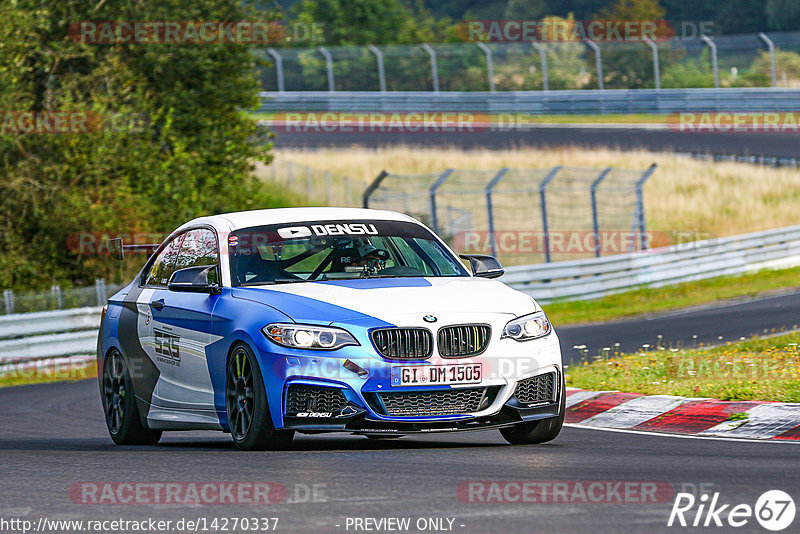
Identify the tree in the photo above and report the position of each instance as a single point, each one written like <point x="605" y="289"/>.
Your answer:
<point x="173" y="143"/>
<point x="783" y="14"/>
<point x="362" y="22"/>
<point x="526" y="9"/>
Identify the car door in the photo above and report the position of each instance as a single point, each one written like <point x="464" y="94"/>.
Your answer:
<point x="137" y="334"/>
<point x="182" y="329"/>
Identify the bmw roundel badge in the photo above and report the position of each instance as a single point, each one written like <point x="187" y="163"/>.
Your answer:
<point x="430" y="319"/>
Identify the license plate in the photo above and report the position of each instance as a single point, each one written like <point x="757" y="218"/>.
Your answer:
<point x="436" y="375"/>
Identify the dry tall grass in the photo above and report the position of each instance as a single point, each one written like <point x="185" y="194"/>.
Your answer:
<point x="684" y="194"/>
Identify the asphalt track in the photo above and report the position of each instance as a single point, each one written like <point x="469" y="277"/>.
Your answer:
<point x="626" y="138"/>
<point x="53" y="437"/>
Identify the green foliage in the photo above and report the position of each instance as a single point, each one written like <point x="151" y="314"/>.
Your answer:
<point x="783" y="14"/>
<point x="182" y="149"/>
<point x="361" y="22"/>
<point x="787" y="65"/>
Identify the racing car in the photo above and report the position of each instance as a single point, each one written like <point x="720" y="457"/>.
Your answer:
<point x="266" y="323"/>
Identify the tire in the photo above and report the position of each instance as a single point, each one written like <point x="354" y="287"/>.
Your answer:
<point x="540" y="431"/>
<point x="249" y="419"/>
<point x="119" y="404"/>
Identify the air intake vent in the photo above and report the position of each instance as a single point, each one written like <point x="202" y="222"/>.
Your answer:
<point x="403" y="343"/>
<point x="463" y="340"/>
<point x="537" y="389"/>
<point x="313" y="399"/>
<point x="428" y="403"/>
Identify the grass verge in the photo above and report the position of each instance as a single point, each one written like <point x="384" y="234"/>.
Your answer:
<point x="652" y="300"/>
<point x="765" y="369"/>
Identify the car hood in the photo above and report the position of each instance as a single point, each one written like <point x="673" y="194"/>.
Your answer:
<point x="396" y="301"/>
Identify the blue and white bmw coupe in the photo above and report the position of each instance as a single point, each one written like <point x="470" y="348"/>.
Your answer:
<point x="266" y="323"/>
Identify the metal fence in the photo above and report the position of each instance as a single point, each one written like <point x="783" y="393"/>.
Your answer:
<point x="315" y="185"/>
<point x="523" y="215"/>
<point x="748" y="60"/>
<point x="57" y="298"/>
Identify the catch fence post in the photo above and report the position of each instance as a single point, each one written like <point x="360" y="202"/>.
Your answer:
<point x="595" y="223"/>
<point x="771" y="46"/>
<point x="434" y="66"/>
<point x="642" y="225"/>
<point x="381" y="72"/>
<point x="543" y="201"/>
<point x="598" y="63"/>
<point x="328" y="66"/>
<point x="8" y="298"/>
<point x="100" y="291"/>
<point x="714" y="65"/>
<point x="278" y="68"/>
<point x="432" y="193"/>
<point x="372" y="187"/>
<point x="656" y="69"/>
<point x="543" y="60"/>
<point x="55" y="291"/>
<point x="489" y="65"/>
<point x="490" y="208"/>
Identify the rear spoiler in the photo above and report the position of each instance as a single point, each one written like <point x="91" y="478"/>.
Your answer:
<point x="117" y="249"/>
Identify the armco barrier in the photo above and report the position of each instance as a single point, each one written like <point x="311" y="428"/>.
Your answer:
<point x="43" y="335"/>
<point x="64" y="333"/>
<point x="597" y="277"/>
<point x="610" y="101"/>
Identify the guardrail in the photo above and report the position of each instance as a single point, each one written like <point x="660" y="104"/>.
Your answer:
<point x="610" y="101"/>
<point x="597" y="277"/>
<point x="26" y="337"/>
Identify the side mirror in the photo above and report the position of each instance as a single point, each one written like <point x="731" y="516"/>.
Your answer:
<point x="115" y="249"/>
<point x="484" y="266"/>
<point x="194" y="280"/>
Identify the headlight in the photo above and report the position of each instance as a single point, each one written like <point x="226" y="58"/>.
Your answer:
<point x="300" y="336"/>
<point x="527" y="327"/>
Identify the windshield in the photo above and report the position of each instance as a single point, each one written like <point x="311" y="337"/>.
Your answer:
<point x="337" y="250"/>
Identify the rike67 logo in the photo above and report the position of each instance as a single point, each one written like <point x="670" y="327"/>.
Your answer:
<point x="774" y="510"/>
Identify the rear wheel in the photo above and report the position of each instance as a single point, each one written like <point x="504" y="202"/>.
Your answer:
<point x="119" y="405"/>
<point x="538" y="431"/>
<point x="249" y="419"/>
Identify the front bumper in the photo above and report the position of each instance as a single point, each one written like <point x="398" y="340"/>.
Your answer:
<point x="505" y="363"/>
<point x="362" y="423"/>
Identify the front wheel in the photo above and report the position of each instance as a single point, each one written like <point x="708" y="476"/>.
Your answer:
<point x="246" y="404"/>
<point x="119" y="405"/>
<point x="538" y="431"/>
